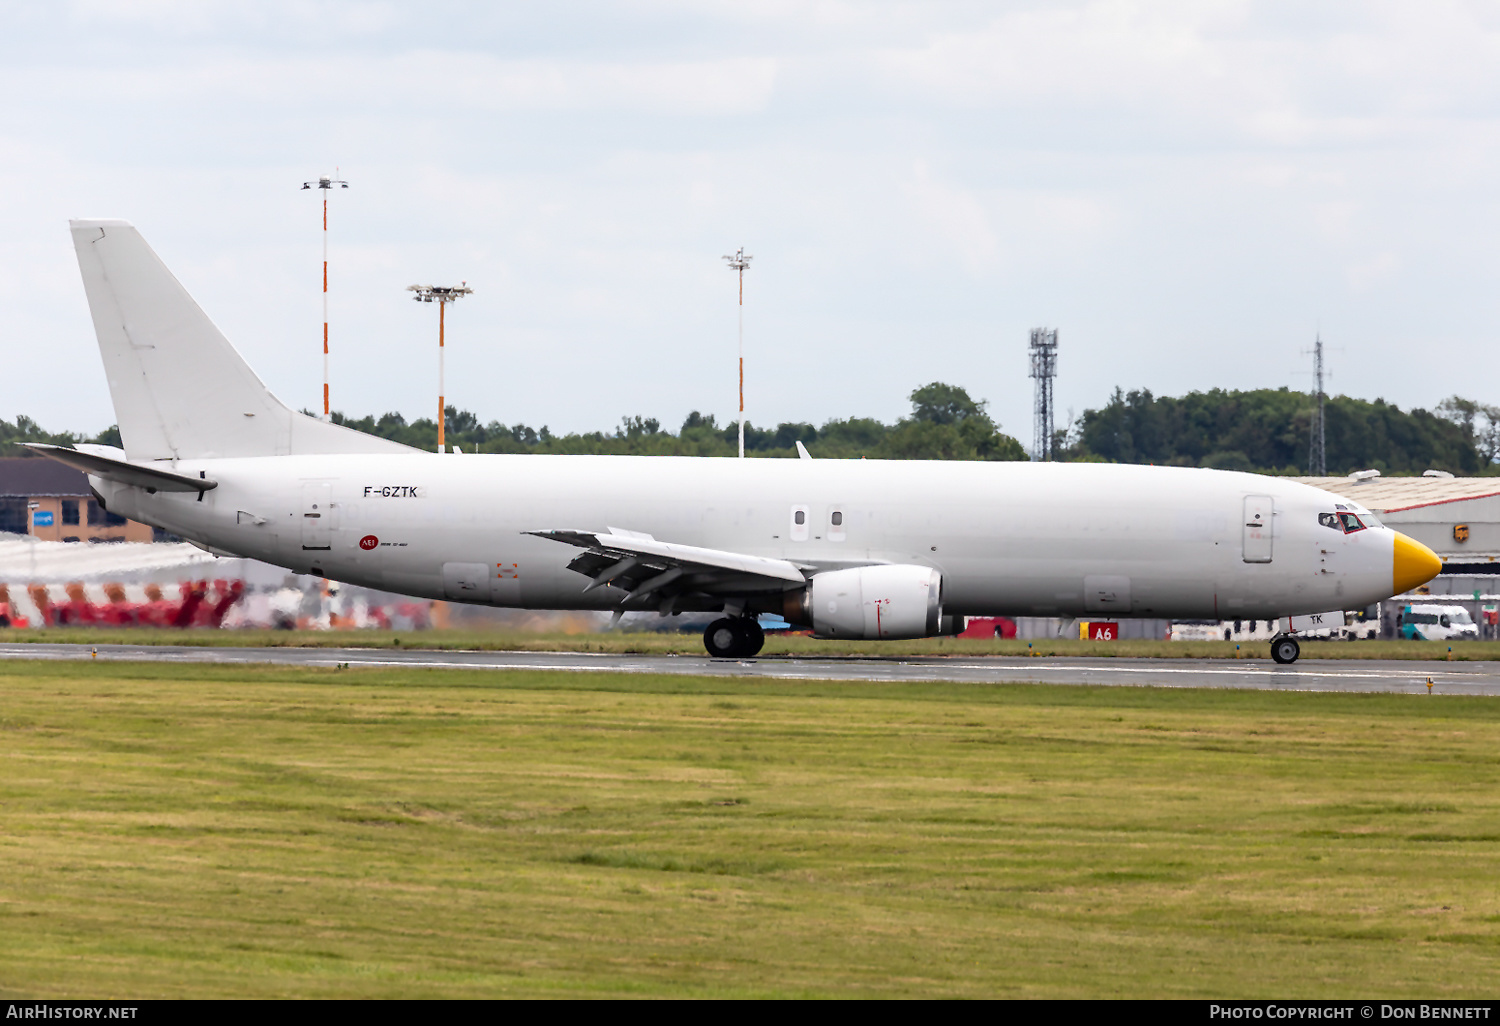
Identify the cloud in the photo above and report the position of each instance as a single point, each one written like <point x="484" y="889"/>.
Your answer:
<point x="1173" y="184"/>
<point x="955" y="216"/>
<point x="213" y="17"/>
<point x="1377" y="270"/>
<point x="1218" y="71"/>
<point x="425" y="83"/>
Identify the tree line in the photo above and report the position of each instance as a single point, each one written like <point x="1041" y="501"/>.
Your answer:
<point x="24" y="429"/>
<point x="1270" y="431"/>
<point x="1262" y="430"/>
<point x="945" y="424"/>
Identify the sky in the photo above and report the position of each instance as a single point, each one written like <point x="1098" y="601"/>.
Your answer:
<point x="1190" y="192"/>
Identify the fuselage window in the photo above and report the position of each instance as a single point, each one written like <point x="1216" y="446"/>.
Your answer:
<point x="800" y="517"/>
<point x="837" y="518"/>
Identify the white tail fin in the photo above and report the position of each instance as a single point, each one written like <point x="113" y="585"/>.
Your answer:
<point x="179" y="388"/>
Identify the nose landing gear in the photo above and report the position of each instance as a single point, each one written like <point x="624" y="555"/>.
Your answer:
<point x="1284" y="649"/>
<point x="737" y="637"/>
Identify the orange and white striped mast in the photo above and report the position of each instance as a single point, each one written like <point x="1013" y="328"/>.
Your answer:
<point x="738" y="262"/>
<point x="443" y="294"/>
<point x="325" y="183"/>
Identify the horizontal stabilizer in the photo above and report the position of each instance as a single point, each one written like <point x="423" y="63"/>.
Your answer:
<point x="122" y="470"/>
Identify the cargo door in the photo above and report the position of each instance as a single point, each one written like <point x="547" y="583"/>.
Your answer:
<point x="317" y="517"/>
<point x="1258" y="528"/>
<point x="466" y="582"/>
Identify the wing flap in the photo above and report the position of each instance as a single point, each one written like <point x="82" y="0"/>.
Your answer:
<point x="641" y="564"/>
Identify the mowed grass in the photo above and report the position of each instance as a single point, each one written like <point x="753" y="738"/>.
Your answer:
<point x="649" y="643"/>
<point x="268" y="831"/>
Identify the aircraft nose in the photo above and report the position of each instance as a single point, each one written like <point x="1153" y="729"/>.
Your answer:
<point x="1412" y="563"/>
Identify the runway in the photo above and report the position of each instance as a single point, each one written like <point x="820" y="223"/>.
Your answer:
<point x="1353" y="675"/>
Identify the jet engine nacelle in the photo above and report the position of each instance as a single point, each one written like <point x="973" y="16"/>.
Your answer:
<point x="869" y="602"/>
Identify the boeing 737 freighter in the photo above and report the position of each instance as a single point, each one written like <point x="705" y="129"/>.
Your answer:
<point x="850" y="548"/>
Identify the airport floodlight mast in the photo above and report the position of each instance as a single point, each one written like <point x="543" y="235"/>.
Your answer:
<point x="1317" y="455"/>
<point x="1043" y="369"/>
<point x="738" y="262"/>
<point x="326" y="184"/>
<point x="443" y="295"/>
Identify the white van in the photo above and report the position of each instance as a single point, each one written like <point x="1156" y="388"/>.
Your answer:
<point x="1436" y="623"/>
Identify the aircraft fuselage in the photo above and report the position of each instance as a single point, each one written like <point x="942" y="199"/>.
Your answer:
<point x="1031" y="539"/>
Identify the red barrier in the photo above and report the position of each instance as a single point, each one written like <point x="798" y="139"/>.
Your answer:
<point x="200" y="605"/>
<point x="989" y="627"/>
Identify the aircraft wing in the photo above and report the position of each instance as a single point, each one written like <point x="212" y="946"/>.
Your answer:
<point x="641" y="565"/>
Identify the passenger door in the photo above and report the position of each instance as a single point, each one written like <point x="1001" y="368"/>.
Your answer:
<point x="1258" y="528"/>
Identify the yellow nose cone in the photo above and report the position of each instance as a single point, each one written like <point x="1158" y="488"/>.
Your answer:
<point x="1412" y="564"/>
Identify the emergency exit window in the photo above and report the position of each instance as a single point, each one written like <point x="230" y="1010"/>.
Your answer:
<point x="800" y="525"/>
<point x="836" y="525"/>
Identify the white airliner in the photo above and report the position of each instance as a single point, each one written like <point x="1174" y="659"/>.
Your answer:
<point x="851" y="548"/>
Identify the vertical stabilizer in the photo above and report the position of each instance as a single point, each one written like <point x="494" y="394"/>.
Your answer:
<point x="179" y="388"/>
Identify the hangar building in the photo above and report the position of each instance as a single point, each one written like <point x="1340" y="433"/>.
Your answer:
<point x="43" y="498"/>
<point x="1456" y="517"/>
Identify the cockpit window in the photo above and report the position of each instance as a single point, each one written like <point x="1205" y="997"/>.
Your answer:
<point x="1348" y="523"/>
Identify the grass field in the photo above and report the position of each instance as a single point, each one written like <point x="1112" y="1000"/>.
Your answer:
<point x="776" y="644"/>
<point x="214" y="831"/>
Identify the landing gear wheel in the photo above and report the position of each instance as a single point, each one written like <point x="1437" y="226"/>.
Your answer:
<point x="1285" y="650"/>
<point x="733" y="638"/>
<point x="754" y="638"/>
<point x="721" y="639"/>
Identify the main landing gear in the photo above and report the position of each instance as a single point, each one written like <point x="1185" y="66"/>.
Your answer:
<point x="1284" y="649"/>
<point x="737" y="637"/>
